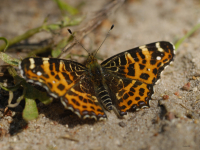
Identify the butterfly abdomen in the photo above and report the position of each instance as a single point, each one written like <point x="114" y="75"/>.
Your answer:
<point x="104" y="97"/>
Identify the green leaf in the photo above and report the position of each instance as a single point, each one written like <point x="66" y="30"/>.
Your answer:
<point x="33" y="93"/>
<point x="30" y="111"/>
<point x="8" y="59"/>
<point x="58" y="49"/>
<point x="55" y="53"/>
<point x="66" y="7"/>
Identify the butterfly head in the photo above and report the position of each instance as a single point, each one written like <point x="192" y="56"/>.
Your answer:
<point x="91" y="59"/>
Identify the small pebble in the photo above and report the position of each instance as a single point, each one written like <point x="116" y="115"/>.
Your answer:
<point x="122" y="124"/>
<point x="194" y="89"/>
<point x="176" y="93"/>
<point x="117" y="142"/>
<point x="165" y="97"/>
<point x="194" y="78"/>
<point x="170" y="116"/>
<point x="186" y="87"/>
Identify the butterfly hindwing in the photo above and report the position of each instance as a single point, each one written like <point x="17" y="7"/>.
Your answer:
<point x="128" y="93"/>
<point x="82" y="100"/>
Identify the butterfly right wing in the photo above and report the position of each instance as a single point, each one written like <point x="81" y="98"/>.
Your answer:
<point x="132" y="74"/>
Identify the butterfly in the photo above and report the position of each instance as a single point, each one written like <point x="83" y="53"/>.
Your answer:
<point x="122" y="82"/>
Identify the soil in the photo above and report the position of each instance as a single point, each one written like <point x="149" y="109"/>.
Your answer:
<point x="171" y="122"/>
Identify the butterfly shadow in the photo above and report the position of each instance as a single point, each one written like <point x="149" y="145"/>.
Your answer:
<point x="57" y="113"/>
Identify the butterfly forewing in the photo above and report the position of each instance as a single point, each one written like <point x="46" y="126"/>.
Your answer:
<point x="56" y="75"/>
<point x="144" y="63"/>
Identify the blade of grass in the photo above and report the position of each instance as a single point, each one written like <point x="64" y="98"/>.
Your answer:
<point x="66" y="7"/>
<point x="6" y="42"/>
<point x="187" y="35"/>
<point x="50" y="27"/>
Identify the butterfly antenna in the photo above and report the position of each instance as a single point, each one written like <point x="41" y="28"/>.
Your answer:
<point x="77" y="40"/>
<point x="104" y="39"/>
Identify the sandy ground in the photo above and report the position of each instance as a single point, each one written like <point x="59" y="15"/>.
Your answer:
<point x="174" y="125"/>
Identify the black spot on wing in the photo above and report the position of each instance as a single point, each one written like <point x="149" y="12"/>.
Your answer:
<point x="132" y="89"/>
<point x="49" y="84"/>
<point x="123" y="60"/>
<point x="159" y="64"/>
<point x="137" y="98"/>
<point x="131" y="93"/>
<point x="57" y="77"/>
<point x="141" y="91"/>
<point x="155" y="71"/>
<point x="61" y="87"/>
<point x="131" y="70"/>
<point x="141" y="66"/>
<point x="135" y="57"/>
<point x="129" y="102"/>
<point x="125" y="96"/>
<point x="144" y="61"/>
<point x="165" y="60"/>
<point x="152" y="62"/>
<point x="144" y="76"/>
<point x="142" y="55"/>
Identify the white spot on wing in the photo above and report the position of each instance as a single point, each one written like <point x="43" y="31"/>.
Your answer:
<point x="32" y="63"/>
<point x="158" y="58"/>
<point x="86" y="116"/>
<point x="39" y="73"/>
<point x="158" y="47"/>
<point x="94" y="117"/>
<point x="145" y="51"/>
<point x="63" y="103"/>
<point x="45" y="60"/>
<point x="78" y="114"/>
<point x="30" y="81"/>
<point x="142" y="47"/>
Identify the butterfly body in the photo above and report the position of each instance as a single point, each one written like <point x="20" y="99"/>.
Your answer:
<point x="95" y="73"/>
<point x="120" y="83"/>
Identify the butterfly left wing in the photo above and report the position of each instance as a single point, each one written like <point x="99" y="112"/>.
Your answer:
<point x="82" y="100"/>
<point x="131" y="75"/>
<point x="66" y="80"/>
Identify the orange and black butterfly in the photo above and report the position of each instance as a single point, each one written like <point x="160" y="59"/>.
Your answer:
<point x="122" y="82"/>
